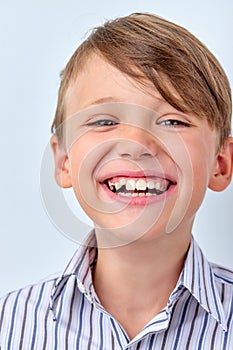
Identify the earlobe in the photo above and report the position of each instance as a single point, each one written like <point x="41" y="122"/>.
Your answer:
<point x="62" y="165"/>
<point x="223" y="167"/>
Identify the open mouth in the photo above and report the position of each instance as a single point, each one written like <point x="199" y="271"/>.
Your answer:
<point x="138" y="187"/>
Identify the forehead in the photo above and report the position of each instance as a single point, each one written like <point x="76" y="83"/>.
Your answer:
<point x="100" y="82"/>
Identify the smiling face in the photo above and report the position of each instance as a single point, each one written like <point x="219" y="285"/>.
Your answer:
<point x="137" y="165"/>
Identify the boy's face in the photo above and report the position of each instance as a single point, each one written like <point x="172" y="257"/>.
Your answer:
<point x="137" y="165"/>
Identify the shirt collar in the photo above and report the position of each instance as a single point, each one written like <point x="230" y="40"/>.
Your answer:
<point x="198" y="277"/>
<point x="79" y="268"/>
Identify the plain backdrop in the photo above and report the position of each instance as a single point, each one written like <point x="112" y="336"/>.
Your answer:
<point x="36" y="40"/>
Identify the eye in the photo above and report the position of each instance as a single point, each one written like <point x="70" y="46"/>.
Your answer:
<point x="103" y="122"/>
<point x="174" y="123"/>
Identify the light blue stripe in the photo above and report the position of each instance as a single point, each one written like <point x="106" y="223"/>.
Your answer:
<point x="35" y="330"/>
<point x="13" y="319"/>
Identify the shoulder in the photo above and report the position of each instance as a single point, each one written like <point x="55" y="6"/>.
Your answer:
<point x="210" y="271"/>
<point x="29" y="291"/>
<point x="223" y="280"/>
<point x="32" y="292"/>
<point x="27" y="300"/>
<point x="23" y="313"/>
<point x="222" y="274"/>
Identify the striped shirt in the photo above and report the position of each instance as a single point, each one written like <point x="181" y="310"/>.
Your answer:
<point x="64" y="312"/>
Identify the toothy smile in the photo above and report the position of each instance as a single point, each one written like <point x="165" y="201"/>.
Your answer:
<point x="138" y="187"/>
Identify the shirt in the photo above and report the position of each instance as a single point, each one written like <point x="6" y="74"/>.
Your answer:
<point x="64" y="312"/>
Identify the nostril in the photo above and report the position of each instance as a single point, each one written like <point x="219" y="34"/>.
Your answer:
<point x="135" y="150"/>
<point x="135" y="155"/>
<point x="125" y="155"/>
<point x="146" y="154"/>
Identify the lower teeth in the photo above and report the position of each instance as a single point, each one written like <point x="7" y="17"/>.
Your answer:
<point x="136" y="194"/>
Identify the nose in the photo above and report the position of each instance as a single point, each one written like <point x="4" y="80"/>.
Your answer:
<point x="137" y="143"/>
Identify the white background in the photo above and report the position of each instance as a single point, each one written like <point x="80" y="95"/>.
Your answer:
<point x="36" y="40"/>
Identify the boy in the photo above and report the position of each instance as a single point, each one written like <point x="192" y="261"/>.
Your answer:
<point x="142" y="129"/>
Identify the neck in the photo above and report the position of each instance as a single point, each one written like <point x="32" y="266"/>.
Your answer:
<point x="138" y="278"/>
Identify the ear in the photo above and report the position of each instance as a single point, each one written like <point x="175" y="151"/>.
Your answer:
<point x="223" y="167"/>
<point x="62" y="164"/>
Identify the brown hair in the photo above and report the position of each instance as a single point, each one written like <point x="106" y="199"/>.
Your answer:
<point x="147" y="46"/>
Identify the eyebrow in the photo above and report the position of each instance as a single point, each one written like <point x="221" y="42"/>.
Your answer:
<point x="108" y="99"/>
<point x="103" y="100"/>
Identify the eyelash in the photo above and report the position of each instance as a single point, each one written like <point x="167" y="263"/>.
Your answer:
<point x="103" y="122"/>
<point x="174" y="123"/>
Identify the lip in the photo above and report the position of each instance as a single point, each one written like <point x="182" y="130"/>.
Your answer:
<point x="137" y="201"/>
<point x="149" y="174"/>
<point x="140" y="200"/>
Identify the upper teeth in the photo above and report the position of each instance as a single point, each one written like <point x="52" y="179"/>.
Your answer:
<point x="139" y="185"/>
<point x="119" y="184"/>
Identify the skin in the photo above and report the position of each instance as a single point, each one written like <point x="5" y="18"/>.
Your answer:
<point x="145" y="242"/>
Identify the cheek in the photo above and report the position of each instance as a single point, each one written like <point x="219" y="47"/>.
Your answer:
<point x="84" y="157"/>
<point x="201" y="158"/>
<point x="193" y="164"/>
